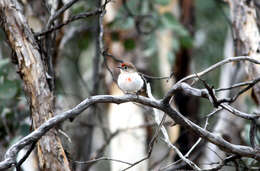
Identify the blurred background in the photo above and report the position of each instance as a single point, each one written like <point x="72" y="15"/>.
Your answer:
<point x="159" y="37"/>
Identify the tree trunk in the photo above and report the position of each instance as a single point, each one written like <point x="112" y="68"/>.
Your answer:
<point x="246" y="42"/>
<point x="246" y="37"/>
<point x="50" y="151"/>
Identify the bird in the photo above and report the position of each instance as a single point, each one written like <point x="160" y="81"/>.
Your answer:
<point x="129" y="80"/>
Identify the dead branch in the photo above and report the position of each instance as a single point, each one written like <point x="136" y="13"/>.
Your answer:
<point x="159" y="104"/>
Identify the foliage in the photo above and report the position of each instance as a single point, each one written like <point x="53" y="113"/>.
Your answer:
<point x="13" y="109"/>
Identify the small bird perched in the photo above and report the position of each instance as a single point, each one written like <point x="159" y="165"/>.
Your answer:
<point x="129" y="80"/>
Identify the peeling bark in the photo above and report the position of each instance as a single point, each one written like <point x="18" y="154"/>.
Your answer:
<point x="50" y="151"/>
<point x="246" y="36"/>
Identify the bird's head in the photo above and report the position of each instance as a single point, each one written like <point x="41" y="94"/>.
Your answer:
<point x="127" y="67"/>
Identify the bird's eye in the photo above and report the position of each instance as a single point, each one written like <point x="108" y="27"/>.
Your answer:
<point x="125" y="67"/>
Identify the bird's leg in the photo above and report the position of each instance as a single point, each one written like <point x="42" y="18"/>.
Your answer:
<point x="137" y="94"/>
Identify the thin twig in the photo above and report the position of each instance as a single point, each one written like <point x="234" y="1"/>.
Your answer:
<point x="190" y="151"/>
<point x="19" y="164"/>
<point x="252" y="82"/>
<point x="252" y="133"/>
<point x="225" y="61"/>
<point x="189" y="162"/>
<point x="71" y="19"/>
<point x="100" y="159"/>
<point x="245" y="151"/>
<point x="151" y="144"/>
<point x="239" y="113"/>
<point x="101" y="150"/>
<point x="59" y="12"/>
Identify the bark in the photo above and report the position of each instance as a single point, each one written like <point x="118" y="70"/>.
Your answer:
<point x="29" y="58"/>
<point x="246" y="36"/>
<point x="246" y="42"/>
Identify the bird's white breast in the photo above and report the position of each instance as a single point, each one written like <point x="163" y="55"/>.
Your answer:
<point x="130" y="82"/>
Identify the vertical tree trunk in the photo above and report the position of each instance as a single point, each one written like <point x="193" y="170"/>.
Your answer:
<point x="246" y="36"/>
<point x="50" y="151"/>
<point x="246" y="42"/>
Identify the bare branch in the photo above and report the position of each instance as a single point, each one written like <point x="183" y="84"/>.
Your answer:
<point x="59" y="12"/>
<point x="225" y="61"/>
<point x="99" y="159"/>
<point x="189" y="162"/>
<point x="253" y="133"/>
<point x="189" y="152"/>
<point x="161" y="104"/>
<point x="175" y="115"/>
<point x="19" y="164"/>
<point x="71" y="19"/>
<point x="187" y="90"/>
<point x="239" y="113"/>
<point x="252" y="82"/>
<point x="151" y="144"/>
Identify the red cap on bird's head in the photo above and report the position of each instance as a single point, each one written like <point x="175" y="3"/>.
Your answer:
<point x="127" y="66"/>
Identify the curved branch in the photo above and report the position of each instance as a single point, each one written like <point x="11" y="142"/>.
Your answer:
<point x="174" y="114"/>
<point x="216" y="65"/>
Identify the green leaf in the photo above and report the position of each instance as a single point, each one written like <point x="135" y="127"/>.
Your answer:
<point x="122" y="23"/>
<point x="169" y="21"/>
<point x="84" y="41"/>
<point x="162" y="2"/>
<point x="186" y="41"/>
<point x="129" y="44"/>
<point x="8" y="89"/>
<point x="78" y="8"/>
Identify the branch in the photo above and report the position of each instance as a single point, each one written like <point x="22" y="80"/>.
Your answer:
<point x="11" y="153"/>
<point x="161" y="104"/>
<point x="225" y="61"/>
<point x="187" y="89"/>
<point x="248" y="83"/>
<point x="100" y="159"/>
<point x="10" y="156"/>
<point x="59" y="12"/>
<point x="189" y="152"/>
<point x="239" y="113"/>
<point x="19" y="164"/>
<point x="71" y="19"/>
<point x="151" y="144"/>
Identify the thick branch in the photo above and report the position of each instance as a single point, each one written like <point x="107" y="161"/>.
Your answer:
<point x="38" y="133"/>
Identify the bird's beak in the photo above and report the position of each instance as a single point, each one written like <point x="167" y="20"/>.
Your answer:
<point x="119" y="67"/>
